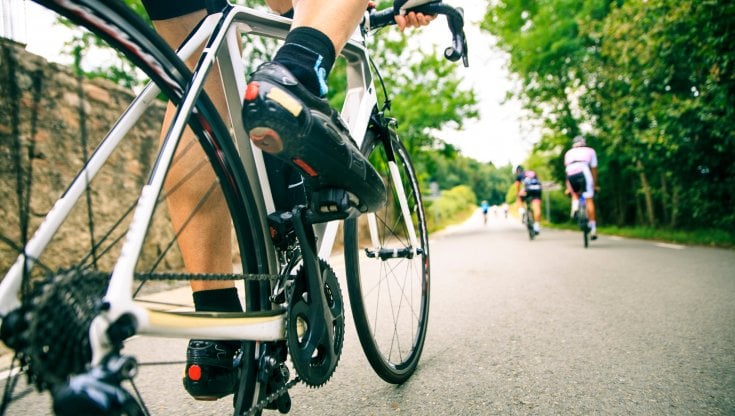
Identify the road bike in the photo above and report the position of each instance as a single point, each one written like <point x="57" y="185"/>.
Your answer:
<point x="70" y="296"/>
<point x="528" y="220"/>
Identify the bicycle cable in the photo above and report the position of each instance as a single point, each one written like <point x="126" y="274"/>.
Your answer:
<point x="387" y="101"/>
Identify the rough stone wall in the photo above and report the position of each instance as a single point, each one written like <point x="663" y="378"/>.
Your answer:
<point x="53" y="118"/>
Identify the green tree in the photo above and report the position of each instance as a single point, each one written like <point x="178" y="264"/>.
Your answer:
<point x="651" y="82"/>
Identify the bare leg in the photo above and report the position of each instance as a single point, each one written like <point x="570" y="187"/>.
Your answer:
<point x="536" y="205"/>
<point x="590" y="203"/>
<point x="337" y="20"/>
<point x="205" y="242"/>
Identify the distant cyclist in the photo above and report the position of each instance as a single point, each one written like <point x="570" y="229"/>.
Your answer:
<point x="581" y="169"/>
<point x="528" y="188"/>
<point x="484" y="206"/>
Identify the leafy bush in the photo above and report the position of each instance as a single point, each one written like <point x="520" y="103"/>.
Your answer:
<point x="453" y="206"/>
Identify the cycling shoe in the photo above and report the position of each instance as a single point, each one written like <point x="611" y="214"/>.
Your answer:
<point x="210" y="372"/>
<point x="287" y="121"/>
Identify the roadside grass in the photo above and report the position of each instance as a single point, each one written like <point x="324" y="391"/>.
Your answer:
<point x="704" y="237"/>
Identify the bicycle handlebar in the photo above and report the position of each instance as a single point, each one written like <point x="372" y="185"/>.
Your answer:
<point x="455" y="21"/>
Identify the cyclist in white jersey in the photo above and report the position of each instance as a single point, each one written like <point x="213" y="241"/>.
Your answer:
<point x="581" y="168"/>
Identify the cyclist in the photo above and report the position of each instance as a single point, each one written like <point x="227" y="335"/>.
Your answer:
<point x="528" y="187"/>
<point x="484" y="206"/>
<point x="306" y="137"/>
<point x="581" y="169"/>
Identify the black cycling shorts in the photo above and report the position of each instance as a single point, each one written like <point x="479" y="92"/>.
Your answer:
<point x="578" y="182"/>
<point x="165" y="9"/>
<point x="531" y="195"/>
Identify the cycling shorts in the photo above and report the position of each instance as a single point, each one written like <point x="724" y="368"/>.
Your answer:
<point x="163" y="9"/>
<point x="532" y="194"/>
<point x="581" y="182"/>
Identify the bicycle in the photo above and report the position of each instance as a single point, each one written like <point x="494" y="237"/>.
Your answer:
<point x="528" y="219"/>
<point x="67" y="319"/>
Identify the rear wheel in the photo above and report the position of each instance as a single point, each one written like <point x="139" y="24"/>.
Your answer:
<point x="388" y="276"/>
<point x="584" y="224"/>
<point x="56" y="133"/>
<point x="529" y="223"/>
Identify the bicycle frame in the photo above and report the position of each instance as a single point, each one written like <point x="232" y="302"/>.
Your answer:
<point x="220" y="35"/>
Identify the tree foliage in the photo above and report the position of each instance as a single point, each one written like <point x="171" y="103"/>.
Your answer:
<point x="650" y="82"/>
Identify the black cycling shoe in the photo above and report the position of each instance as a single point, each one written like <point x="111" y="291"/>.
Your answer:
<point x="286" y="120"/>
<point x="210" y="371"/>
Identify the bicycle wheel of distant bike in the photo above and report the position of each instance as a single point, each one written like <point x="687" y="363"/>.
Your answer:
<point x="584" y="226"/>
<point x="388" y="276"/>
<point x="529" y="225"/>
<point x="61" y="294"/>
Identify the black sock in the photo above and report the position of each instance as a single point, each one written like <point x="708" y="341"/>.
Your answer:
<point x="217" y="300"/>
<point x="309" y="54"/>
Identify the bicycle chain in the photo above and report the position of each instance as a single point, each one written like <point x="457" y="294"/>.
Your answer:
<point x="253" y="411"/>
<point x="261" y="405"/>
<point x="261" y="277"/>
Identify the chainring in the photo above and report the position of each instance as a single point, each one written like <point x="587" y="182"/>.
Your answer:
<point x="59" y="321"/>
<point x="315" y="364"/>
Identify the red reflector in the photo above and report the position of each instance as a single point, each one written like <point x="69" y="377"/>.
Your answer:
<point x="194" y="373"/>
<point x="251" y="92"/>
<point x="305" y="166"/>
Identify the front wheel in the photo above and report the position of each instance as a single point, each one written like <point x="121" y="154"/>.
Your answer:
<point x="387" y="268"/>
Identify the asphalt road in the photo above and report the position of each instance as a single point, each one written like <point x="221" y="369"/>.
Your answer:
<point x="543" y="327"/>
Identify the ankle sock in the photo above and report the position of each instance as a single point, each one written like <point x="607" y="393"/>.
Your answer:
<point x="309" y="54"/>
<point x="217" y="300"/>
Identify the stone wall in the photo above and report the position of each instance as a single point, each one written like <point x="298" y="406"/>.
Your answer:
<point x="54" y="119"/>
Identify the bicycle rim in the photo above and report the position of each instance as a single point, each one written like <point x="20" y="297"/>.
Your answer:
<point x="531" y="233"/>
<point x="529" y="223"/>
<point x="90" y="238"/>
<point x="390" y="298"/>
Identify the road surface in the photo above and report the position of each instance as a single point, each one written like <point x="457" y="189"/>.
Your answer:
<point x="541" y="327"/>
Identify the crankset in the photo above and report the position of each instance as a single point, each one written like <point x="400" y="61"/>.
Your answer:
<point x="315" y="323"/>
<point x="315" y="354"/>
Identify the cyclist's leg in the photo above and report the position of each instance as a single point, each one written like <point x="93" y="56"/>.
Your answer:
<point x="201" y="242"/>
<point x="589" y="194"/>
<point x="204" y="240"/>
<point x="536" y="206"/>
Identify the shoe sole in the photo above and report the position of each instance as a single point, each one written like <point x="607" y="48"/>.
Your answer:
<point x="309" y="137"/>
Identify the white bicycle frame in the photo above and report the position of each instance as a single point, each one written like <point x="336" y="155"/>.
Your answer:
<point x="224" y="49"/>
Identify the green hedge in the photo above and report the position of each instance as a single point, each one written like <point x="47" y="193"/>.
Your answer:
<point x="452" y="206"/>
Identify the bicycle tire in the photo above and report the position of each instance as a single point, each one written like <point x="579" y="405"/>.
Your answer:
<point x="396" y="289"/>
<point x="529" y="223"/>
<point x="584" y="224"/>
<point x="125" y="32"/>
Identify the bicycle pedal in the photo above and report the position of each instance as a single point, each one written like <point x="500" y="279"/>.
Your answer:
<point x="331" y="204"/>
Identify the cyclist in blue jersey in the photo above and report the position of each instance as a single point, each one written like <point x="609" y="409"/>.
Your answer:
<point x="484" y="206"/>
<point x="325" y="156"/>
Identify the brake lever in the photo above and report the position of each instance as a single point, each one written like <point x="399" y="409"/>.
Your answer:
<point x="455" y="20"/>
